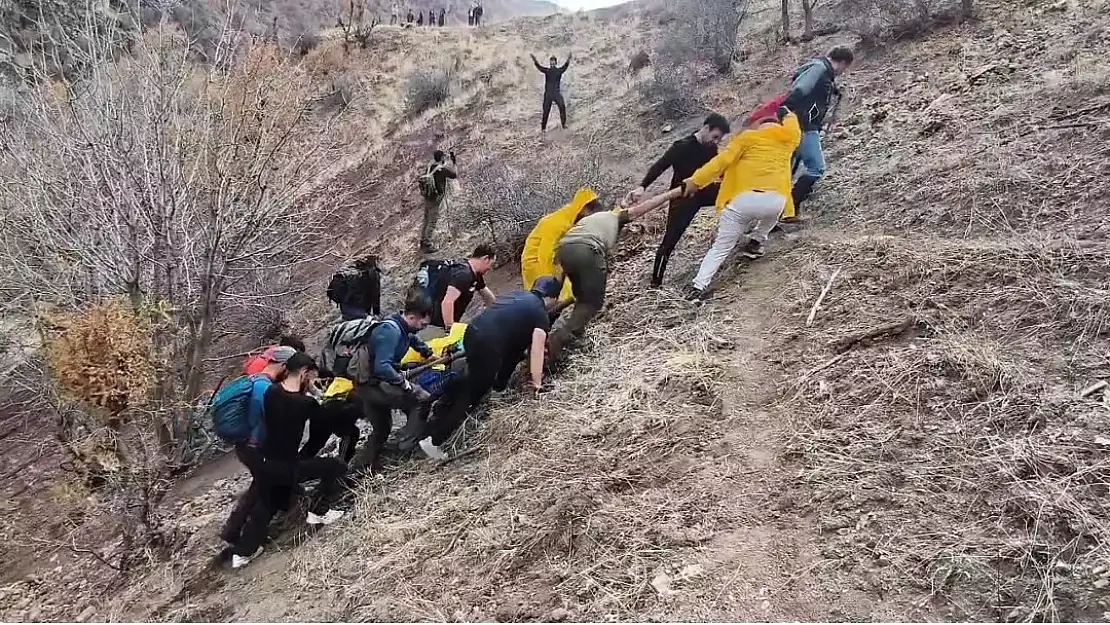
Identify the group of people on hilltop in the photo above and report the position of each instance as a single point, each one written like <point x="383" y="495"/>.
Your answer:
<point x="426" y="362"/>
<point x="434" y="18"/>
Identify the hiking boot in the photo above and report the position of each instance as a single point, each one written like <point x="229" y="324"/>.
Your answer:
<point x="329" y="517"/>
<point x="754" y="249"/>
<point x="431" y="450"/>
<point x="694" y="295"/>
<point x="801" y="191"/>
<point x="238" y="561"/>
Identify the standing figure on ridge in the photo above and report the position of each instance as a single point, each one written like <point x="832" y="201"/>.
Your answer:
<point x="553" y="89"/>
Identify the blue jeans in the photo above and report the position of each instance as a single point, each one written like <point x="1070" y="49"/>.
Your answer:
<point x="351" y="313"/>
<point x="809" y="154"/>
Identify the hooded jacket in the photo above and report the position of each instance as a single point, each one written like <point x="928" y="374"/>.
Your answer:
<point x="810" y="93"/>
<point x="755" y="160"/>
<point x="538" y="258"/>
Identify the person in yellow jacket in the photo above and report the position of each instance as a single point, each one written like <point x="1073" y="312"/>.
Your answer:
<point x="538" y="258"/>
<point x="755" y="189"/>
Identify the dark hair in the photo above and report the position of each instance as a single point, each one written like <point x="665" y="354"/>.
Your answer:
<point x="300" y="361"/>
<point x="553" y="58"/>
<point x="842" y="54"/>
<point x="484" y="250"/>
<point x="292" y="340"/>
<point x="438" y="155"/>
<point x="718" y="122"/>
<point x="418" y="303"/>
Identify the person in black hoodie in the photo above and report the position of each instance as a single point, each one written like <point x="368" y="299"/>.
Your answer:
<point x="553" y="89"/>
<point x="809" y="98"/>
<point x="287" y="407"/>
<point x="683" y="158"/>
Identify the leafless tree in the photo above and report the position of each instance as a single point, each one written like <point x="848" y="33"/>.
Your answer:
<point x="185" y="188"/>
<point x="175" y="184"/>
<point x="354" y="23"/>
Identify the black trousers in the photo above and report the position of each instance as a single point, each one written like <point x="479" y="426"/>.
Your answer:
<point x="271" y="484"/>
<point x="680" y="214"/>
<point x="378" y="401"/>
<point x="557" y="100"/>
<point x="487" y="368"/>
<point x="339" y="417"/>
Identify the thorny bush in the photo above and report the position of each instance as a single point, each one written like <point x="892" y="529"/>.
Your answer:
<point x="427" y="88"/>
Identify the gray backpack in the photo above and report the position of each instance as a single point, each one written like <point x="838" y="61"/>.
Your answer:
<point x="347" y="352"/>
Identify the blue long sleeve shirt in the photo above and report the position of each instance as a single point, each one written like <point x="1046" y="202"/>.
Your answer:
<point x="390" y="340"/>
<point x="256" y="410"/>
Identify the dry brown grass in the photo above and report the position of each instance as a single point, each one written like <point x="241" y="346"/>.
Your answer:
<point x="956" y="454"/>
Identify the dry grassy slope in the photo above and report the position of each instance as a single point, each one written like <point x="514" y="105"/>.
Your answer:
<point x="730" y="462"/>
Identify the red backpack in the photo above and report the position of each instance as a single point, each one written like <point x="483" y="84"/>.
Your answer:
<point x="768" y="109"/>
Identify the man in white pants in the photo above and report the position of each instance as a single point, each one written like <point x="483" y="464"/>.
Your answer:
<point x="755" y="189"/>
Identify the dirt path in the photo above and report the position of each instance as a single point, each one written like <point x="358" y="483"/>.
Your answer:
<point x="766" y="564"/>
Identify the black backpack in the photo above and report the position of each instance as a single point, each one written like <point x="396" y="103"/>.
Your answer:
<point x="354" y="284"/>
<point x="431" y="275"/>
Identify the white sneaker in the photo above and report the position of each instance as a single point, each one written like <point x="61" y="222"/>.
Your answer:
<point x="329" y="517"/>
<point x="238" y="562"/>
<point x="432" y="451"/>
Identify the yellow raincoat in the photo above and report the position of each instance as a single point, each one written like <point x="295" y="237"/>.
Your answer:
<point x="341" y="387"/>
<point x="538" y="258"/>
<point x="755" y="159"/>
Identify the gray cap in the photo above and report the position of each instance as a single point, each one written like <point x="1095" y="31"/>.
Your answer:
<point x="281" y="355"/>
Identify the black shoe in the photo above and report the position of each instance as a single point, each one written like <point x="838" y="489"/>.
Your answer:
<point x="801" y="192"/>
<point x="754" y="249"/>
<point x="694" y="295"/>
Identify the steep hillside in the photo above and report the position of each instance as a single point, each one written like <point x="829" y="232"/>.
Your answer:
<point x="883" y="419"/>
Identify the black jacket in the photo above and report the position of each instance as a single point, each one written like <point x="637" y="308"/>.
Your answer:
<point x="811" y="93"/>
<point x="552" y="77"/>
<point x="684" y="157"/>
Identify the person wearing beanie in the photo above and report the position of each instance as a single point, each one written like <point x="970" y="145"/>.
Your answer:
<point x="496" y="341"/>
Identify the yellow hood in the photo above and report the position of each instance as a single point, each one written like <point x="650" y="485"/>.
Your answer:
<point x="538" y="258"/>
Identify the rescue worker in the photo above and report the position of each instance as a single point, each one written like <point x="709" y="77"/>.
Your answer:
<point x="273" y="369"/>
<point x="440" y="170"/>
<point x="684" y="157"/>
<point x="755" y="189"/>
<point x="552" y="89"/>
<point x="257" y="364"/>
<point x="496" y="341"/>
<point x="538" y="257"/>
<point x="809" y="98"/>
<point x="584" y="254"/>
<point x="287" y="408"/>
<point x="452" y="286"/>
<point x="388" y="388"/>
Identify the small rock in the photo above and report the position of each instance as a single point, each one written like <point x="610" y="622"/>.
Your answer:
<point x="34" y="615"/>
<point x="559" y="614"/>
<point x="86" y="614"/>
<point x="1102" y="583"/>
<point x="667" y="128"/>
<point x="691" y="571"/>
<point x="662" y="585"/>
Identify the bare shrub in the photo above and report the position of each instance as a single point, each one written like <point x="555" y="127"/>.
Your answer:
<point x="706" y="33"/>
<point x="876" y="21"/>
<point x="179" y="187"/>
<point x="428" y="88"/>
<point x="506" y="201"/>
<point x="355" y="24"/>
<point x="639" y="61"/>
<point x="672" y="90"/>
